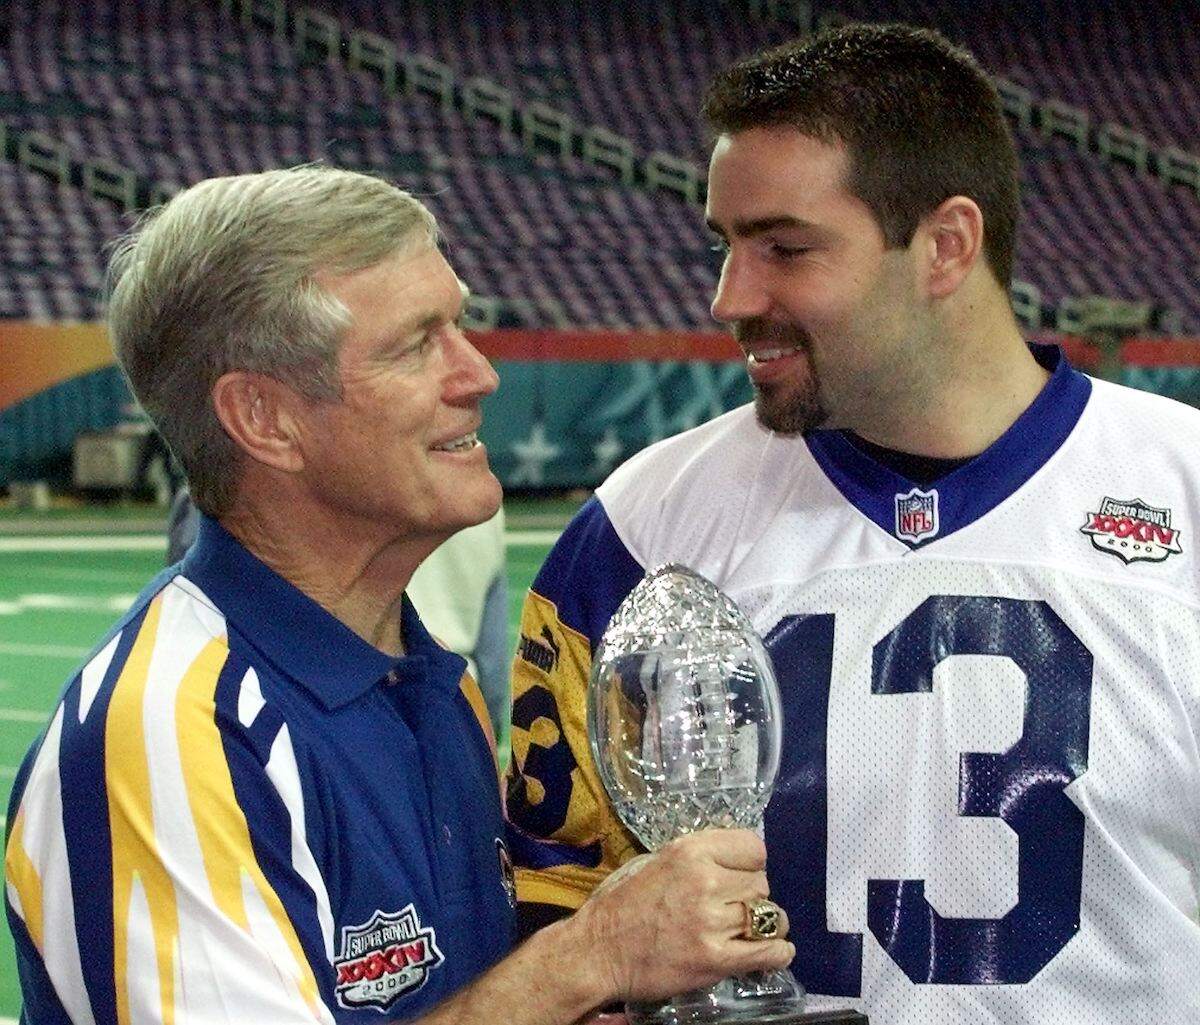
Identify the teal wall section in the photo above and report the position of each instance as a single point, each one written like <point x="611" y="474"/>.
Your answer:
<point x="36" y="435"/>
<point x="558" y="425"/>
<point x="551" y="425"/>
<point x="1181" y="383"/>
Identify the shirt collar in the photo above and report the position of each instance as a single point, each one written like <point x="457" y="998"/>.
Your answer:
<point x="975" y="488"/>
<point x="298" y="636"/>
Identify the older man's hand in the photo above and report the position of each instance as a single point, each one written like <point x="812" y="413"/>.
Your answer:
<point x="676" y="921"/>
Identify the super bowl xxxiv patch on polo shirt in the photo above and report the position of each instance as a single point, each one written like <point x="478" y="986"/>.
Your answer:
<point x="384" y="958"/>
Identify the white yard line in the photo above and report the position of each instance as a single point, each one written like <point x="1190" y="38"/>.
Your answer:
<point x="124" y="578"/>
<point x="43" y="651"/>
<point x="530" y="538"/>
<point x="80" y="543"/>
<point x="21" y="715"/>
<point x="106" y="603"/>
<point x="155" y="543"/>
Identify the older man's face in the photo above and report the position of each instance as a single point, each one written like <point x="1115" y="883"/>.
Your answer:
<point x="399" y="450"/>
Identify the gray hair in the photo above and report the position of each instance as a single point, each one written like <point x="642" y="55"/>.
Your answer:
<point x="222" y="278"/>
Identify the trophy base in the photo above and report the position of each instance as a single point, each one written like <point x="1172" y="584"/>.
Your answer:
<point x="787" y="1018"/>
<point x="832" y="1018"/>
<point x="759" y="998"/>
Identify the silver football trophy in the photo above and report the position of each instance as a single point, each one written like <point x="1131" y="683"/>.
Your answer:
<point x="685" y="728"/>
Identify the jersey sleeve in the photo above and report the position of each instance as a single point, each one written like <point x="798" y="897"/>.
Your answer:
<point x="157" y="863"/>
<point x="565" y="836"/>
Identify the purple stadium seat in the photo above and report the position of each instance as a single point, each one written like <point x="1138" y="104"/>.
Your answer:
<point x="176" y="91"/>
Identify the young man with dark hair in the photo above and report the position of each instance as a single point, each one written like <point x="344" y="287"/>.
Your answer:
<point x="918" y="118"/>
<point x="965" y="558"/>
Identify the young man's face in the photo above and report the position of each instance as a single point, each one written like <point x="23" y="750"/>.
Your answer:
<point x="825" y="313"/>
<point x="398" y="452"/>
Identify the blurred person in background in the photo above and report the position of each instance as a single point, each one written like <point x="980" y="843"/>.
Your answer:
<point x="461" y="592"/>
<point x="183" y="524"/>
<point x="269" y="795"/>
<point x="970" y="564"/>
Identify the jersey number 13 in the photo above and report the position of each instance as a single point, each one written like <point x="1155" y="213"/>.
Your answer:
<point x="1024" y="786"/>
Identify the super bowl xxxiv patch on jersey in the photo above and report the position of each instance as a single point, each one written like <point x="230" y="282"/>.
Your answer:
<point x="917" y="515"/>
<point x="384" y="958"/>
<point x="1132" y="530"/>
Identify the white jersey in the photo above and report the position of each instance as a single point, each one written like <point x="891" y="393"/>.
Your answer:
<point x="989" y="804"/>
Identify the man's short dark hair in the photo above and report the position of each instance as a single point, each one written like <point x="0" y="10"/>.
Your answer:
<point x="920" y="120"/>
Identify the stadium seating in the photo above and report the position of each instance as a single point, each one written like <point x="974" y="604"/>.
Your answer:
<point x="51" y="242"/>
<point x="589" y="66"/>
<point x="544" y="144"/>
<point x="639" y="69"/>
<point x="558" y="226"/>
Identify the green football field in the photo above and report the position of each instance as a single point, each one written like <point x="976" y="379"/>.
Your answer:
<point x="66" y="575"/>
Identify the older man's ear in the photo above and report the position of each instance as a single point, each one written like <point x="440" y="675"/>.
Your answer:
<point x="261" y="415"/>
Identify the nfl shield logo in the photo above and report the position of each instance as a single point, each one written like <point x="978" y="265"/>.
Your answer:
<point x="917" y="515"/>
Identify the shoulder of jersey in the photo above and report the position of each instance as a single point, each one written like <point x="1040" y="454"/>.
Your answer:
<point x="171" y="622"/>
<point x="1146" y="416"/>
<point x="164" y="582"/>
<point x="676" y="499"/>
<point x="159" y="655"/>
<point x="1146" y="442"/>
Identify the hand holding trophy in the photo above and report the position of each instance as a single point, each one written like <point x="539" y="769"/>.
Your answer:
<point x="685" y="728"/>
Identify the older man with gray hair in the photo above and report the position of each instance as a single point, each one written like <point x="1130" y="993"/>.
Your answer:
<point x="269" y="796"/>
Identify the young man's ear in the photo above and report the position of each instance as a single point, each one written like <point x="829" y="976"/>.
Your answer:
<point x="952" y="238"/>
<point x="259" y="414"/>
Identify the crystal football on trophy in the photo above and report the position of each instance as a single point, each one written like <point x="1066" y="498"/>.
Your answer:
<point x="685" y="728"/>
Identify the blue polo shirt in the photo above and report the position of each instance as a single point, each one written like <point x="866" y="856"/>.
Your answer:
<point x="241" y="811"/>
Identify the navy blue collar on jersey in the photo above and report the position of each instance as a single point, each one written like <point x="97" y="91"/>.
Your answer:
<point x="297" y="635"/>
<point x="923" y="470"/>
<point x="976" y="487"/>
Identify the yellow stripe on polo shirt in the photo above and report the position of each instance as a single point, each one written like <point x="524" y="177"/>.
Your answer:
<point x="221" y="826"/>
<point x="135" y="855"/>
<point x="23" y="875"/>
